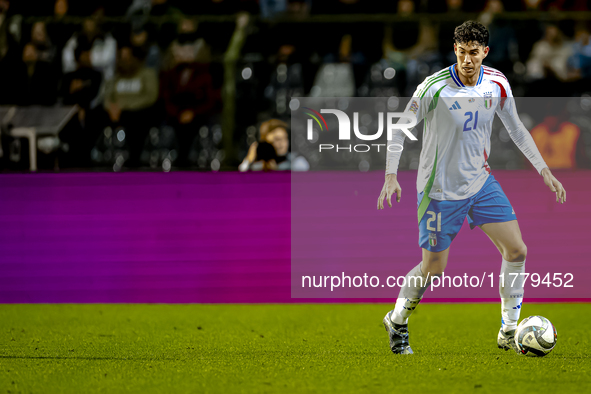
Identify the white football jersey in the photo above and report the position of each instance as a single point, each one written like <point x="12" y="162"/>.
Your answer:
<point x="457" y="128"/>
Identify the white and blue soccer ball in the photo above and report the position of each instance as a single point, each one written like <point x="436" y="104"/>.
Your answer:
<point x="535" y="336"/>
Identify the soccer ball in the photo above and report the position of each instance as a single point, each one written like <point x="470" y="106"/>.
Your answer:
<point x="535" y="336"/>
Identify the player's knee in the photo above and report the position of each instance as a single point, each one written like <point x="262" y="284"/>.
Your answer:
<point x="433" y="267"/>
<point x="516" y="253"/>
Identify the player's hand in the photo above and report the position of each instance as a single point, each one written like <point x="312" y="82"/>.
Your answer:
<point x="554" y="185"/>
<point x="391" y="186"/>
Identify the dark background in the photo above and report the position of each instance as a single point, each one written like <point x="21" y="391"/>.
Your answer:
<point x="250" y="57"/>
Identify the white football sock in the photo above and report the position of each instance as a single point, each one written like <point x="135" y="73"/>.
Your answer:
<point x="410" y="295"/>
<point x="511" y="293"/>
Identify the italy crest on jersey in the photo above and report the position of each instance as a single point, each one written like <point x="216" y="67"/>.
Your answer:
<point x="433" y="239"/>
<point x="488" y="101"/>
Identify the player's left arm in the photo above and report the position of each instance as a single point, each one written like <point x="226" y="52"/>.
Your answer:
<point x="522" y="138"/>
<point x="554" y="185"/>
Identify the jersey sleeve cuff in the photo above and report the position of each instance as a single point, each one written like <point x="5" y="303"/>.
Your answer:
<point x="540" y="167"/>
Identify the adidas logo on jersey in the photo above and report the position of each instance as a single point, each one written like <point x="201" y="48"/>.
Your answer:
<point x="455" y="106"/>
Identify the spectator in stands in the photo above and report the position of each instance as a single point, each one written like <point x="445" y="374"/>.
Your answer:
<point x="287" y="81"/>
<point x="276" y="137"/>
<point x="532" y="5"/>
<point x="548" y="58"/>
<point x="188" y="43"/>
<point x="150" y="52"/>
<point x="404" y="34"/>
<point x="31" y="78"/>
<point x="60" y="30"/>
<point x="502" y="37"/>
<point x="129" y="98"/>
<point x="80" y="88"/>
<point x="336" y="79"/>
<point x="188" y="93"/>
<point x="10" y="29"/>
<point x="273" y="8"/>
<point x="36" y="80"/>
<point x="39" y="38"/>
<point x="10" y="52"/>
<point x="273" y="134"/>
<point x="264" y="132"/>
<point x="547" y="67"/>
<point x="140" y="10"/>
<point x="447" y="28"/>
<point x="454" y="5"/>
<point x="553" y="5"/>
<point x="580" y="61"/>
<point x="60" y="8"/>
<point x="387" y="77"/>
<point x="109" y="8"/>
<point x="409" y="54"/>
<point x="285" y="159"/>
<point x="103" y="49"/>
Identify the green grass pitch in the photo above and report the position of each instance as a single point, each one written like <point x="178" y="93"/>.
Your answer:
<point x="280" y="348"/>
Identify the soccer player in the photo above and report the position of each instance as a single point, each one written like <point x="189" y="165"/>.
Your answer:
<point x="454" y="180"/>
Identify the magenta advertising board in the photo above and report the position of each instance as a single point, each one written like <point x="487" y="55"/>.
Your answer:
<point x="249" y="238"/>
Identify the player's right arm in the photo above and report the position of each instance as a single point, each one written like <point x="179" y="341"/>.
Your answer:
<point x="417" y="108"/>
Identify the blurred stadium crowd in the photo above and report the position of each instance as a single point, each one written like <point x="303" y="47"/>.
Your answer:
<point x="207" y="84"/>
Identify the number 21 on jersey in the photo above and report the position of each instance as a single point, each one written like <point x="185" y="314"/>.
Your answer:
<point x="431" y="219"/>
<point x="468" y="124"/>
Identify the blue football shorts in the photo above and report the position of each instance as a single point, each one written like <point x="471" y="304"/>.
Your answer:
<point x="442" y="220"/>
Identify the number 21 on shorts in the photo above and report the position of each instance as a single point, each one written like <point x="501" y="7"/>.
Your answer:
<point x="432" y="217"/>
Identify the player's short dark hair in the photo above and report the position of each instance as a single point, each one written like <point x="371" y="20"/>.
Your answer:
<point x="471" y="31"/>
